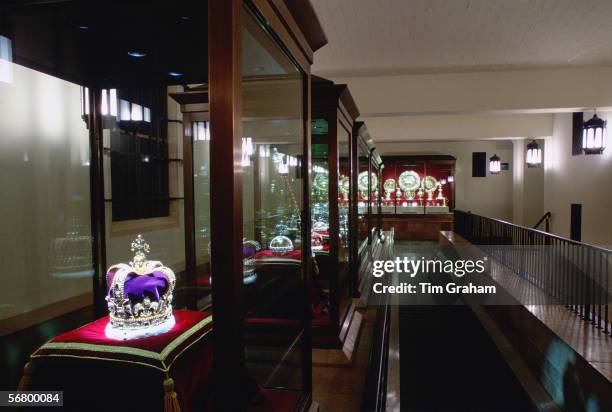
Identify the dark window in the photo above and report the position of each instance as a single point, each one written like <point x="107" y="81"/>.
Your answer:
<point x="139" y="155"/>
<point x="479" y="164"/>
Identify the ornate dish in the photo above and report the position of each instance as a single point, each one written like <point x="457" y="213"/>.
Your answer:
<point x="362" y="181"/>
<point x="430" y="183"/>
<point x="409" y="180"/>
<point x="389" y="185"/>
<point x="345" y="185"/>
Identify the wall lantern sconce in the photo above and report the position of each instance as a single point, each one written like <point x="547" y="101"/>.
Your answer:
<point x="594" y="135"/>
<point x="494" y="164"/>
<point x="534" y="154"/>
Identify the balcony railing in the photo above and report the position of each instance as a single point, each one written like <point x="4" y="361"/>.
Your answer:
<point x="575" y="274"/>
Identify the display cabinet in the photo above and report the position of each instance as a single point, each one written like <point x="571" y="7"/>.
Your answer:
<point x="333" y="115"/>
<point x="376" y="195"/>
<point x="192" y="130"/>
<point x="365" y="187"/>
<point x="419" y="195"/>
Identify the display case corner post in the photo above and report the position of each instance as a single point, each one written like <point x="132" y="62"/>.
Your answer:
<point x="333" y="193"/>
<point x="353" y="213"/>
<point x="225" y="86"/>
<point x="97" y="201"/>
<point x="306" y="235"/>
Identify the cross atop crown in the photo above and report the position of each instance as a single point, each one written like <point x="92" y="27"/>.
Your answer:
<point x="140" y="248"/>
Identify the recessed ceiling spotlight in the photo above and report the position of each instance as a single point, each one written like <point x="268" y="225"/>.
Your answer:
<point x="83" y="27"/>
<point x="175" y="74"/>
<point x="185" y="18"/>
<point x="136" y="53"/>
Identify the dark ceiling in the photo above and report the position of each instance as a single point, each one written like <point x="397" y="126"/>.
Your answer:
<point x="89" y="42"/>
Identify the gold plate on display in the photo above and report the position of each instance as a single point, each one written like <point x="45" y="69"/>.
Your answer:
<point x="409" y="180"/>
<point x="430" y="183"/>
<point x="362" y="181"/>
<point x="345" y="185"/>
<point x="389" y="185"/>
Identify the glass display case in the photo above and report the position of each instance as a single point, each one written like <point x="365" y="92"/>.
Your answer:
<point x="419" y="195"/>
<point x="418" y="185"/>
<point x="193" y="136"/>
<point x="366" y="193"/>
<point x="334" y="113"/>
<point x="376" y="195"/>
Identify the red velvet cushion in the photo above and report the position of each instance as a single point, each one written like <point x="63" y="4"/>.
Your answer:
<point x="90" y="340"/>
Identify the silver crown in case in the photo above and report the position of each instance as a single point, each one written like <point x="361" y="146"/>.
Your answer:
<point x="139" y="296"/>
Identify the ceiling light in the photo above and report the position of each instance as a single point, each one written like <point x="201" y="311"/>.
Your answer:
<point x="175" y="74"/>
<point x="136" y="53"/>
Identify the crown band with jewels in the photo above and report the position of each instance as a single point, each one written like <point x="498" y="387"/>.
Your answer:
<point x="139" y="295"/>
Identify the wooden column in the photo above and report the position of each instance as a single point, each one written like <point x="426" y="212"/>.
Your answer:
<point x="334" y="220"/>
<point x="353" y="212"/>
<point x="225" y="77"/>
<point x="306" y="246"/>
<point x="98" y="204"/>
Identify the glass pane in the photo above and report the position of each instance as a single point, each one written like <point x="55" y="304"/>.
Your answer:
<point x="45" y="216"/>
<point x="344" y="195"/>
<point x="200" y="132"/>
<point x="364" y="195"/>
<point x="272" y="154"/>
<point x="143" y="180"/>
<point x="150" y="72"/>
<point x="63" y="52"/>
<point x="344" y="188"/>
<point x="413" y="189"/>
<point x="438" y="171"/>
<point x="320" y="198"/>
<point x="389" y="185"/>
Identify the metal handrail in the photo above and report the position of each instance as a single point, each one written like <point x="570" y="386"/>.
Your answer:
<point x="550" y="235"/>
<point x="546" y="218"/>
<point x="575" y="274"/>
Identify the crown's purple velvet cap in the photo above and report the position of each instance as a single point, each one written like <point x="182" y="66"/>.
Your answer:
<point x="137" y="287"/>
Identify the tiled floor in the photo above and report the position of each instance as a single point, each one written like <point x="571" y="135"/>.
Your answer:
<point x="339" y="389"/>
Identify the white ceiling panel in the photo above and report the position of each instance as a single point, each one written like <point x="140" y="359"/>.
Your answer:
<point x="430" y="36"/>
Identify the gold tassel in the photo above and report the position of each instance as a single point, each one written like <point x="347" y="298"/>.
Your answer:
<point x="171" y="403"/>
<point x="24" y="382"/>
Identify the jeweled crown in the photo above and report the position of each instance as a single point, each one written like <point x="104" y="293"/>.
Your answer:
<point x="139" y="293"/>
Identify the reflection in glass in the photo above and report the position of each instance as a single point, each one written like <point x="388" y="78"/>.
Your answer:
<point x="272" y="193"/>
<point x="45" y="240"/>
<point x="344" y="190"/>
<point x="364" y="195"/>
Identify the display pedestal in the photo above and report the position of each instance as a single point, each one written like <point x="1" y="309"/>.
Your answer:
<point x="138" y="374"/>
<point x="169" y="372"/>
